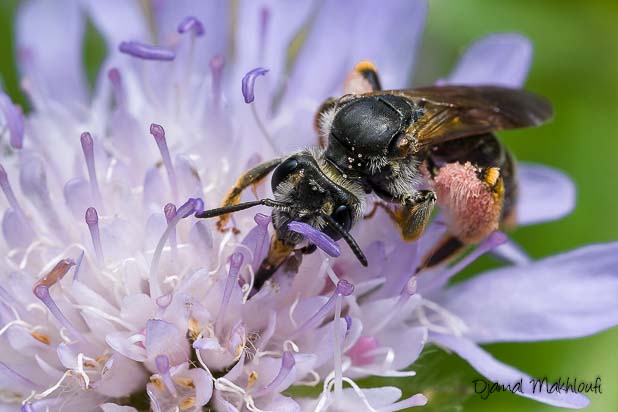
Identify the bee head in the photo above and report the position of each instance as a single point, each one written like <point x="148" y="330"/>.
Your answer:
<point x="311" y="197"/>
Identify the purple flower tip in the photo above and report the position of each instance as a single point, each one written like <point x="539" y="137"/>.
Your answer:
<point x="262" y="219"/>
<point x="217" y="63"/>
<point x="92" y="217"/>
<point x="114" y="76"/>
<point x="146" y="51"/>
<point x="86" y="140"/>
<point x="497" y="238"/>
<point x="157" y="131"/>
<point x="41" y="292"/>
<point x="191" y="206"/>
<point x="192" y="24"/>
<point x="236" y="260"/>
<point x="3" y="177"/>
<point x="344" y="288"/>
<point x="348" y="322"/>
<point x="170" y="211"/>
<point x="321" y="240"/>
<point x="163" y="364"/>
<point x="287" y="360"/>
<point x="27" y="407"/>
<point x="199" y="205"/>
<point x="248" y="83"/>
<point x="164" y="301"/>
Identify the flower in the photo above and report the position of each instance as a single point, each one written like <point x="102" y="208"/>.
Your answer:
<point x="114" y="297"/>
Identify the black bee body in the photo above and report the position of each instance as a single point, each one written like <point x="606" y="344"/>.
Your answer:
<point x="365" y="138"/>
<point x="413" y="149"/>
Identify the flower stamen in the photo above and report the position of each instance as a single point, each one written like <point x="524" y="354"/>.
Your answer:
<point x="170" y="213"/>
<point x="344" y="288"/>
<point x="92" y="220"/>
<point x="158" y="133"/>
<point x="287" y="363"/>
<point x="88" y="149"/>
<point x="163" y="366"/>
<point x="232" y="279"/>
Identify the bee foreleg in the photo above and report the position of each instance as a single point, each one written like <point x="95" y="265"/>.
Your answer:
<point x="251" y="177"/>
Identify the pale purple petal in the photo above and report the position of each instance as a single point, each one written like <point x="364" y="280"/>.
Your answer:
<point x="163" y="338"/>
<point x="499" y="59"/>
<point x="266" y="30"/>
<point x="13" y="121"/>
<point x="545" y="194"/>
<point x="565" y="296"/>
<point x="496" y="371"/>
<point x="49" y="53"/>
<point x="203" y="385"/>
<point x="388" y="36"/>
<point x="214" y="15"/>
<point x="279" y="403"/>
<point x="117" y="20"/>
<point x="321" y="240"/>
<point x="511" y="252"/>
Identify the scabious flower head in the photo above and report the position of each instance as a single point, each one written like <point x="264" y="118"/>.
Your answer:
<point x="114" y="297"/>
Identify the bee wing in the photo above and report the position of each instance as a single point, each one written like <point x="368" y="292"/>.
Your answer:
<point x="453" y="112"/>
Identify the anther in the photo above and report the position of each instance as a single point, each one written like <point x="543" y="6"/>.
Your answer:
<point x="191" y="24"/>
<point x="146" y="51"/>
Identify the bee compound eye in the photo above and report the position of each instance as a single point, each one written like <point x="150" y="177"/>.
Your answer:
<point x="282" y="171"/>
<point x="343" y="216"/>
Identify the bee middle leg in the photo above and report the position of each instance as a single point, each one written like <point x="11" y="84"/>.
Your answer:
<point x="413" y="215"/>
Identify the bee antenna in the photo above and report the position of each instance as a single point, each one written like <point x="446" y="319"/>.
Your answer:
<point x="238" y="207"/>
<point x="347" y="237"/>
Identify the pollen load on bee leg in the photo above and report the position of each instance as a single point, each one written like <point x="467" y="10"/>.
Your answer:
<point x="472" y="206"/>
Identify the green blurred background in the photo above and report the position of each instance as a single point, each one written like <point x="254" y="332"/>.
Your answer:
<point x="576" y="66"/>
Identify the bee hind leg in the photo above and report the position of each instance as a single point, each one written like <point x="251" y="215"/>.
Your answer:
<point x="472" y="210"/>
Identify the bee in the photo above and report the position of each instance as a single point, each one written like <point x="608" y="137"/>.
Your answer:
<point x="413" y="149"/>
